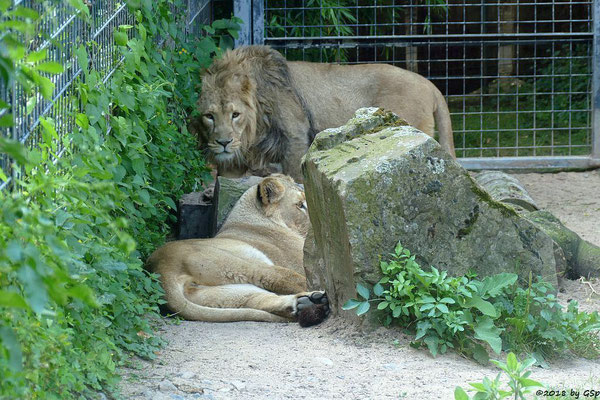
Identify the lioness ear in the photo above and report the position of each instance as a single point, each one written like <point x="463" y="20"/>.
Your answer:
<point x="270" y="191"/>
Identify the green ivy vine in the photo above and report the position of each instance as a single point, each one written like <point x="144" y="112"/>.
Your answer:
<point x="74" y="296"/>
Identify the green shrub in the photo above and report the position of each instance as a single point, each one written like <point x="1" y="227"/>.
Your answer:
<point x="469" y="315"/>
<point x="519" y="384"/>
<point x="74" y="297"/>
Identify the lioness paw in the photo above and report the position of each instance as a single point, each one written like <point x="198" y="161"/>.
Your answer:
<point x="312" y="309"/>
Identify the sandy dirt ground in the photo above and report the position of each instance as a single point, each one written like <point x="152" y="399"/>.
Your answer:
<point x="250" y="360"/>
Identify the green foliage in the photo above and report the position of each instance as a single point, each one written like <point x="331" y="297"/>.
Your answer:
<point x="519" y="383"/>
<point x="472" y="315"/>
<point x="338" y="18"/>
<point x="74" y="297"/>
<point x="556" y="99"/>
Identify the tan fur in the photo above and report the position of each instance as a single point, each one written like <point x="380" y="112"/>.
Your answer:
<point x="252" y="270"/>
<point x="285" y="103"/>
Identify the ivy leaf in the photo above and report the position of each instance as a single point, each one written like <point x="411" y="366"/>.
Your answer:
<point x="363" y="308"/>
<point x="37" y="56"/>
<point x="484" y="306"/>
<point x="362" y="291"/>
<point x="82" y="59"/>
<point x="526" y="382"/>
<point x="460" y="394"/>
<point x="12" y="299"/>
<point x="80" y="6"/>
<point x="50" y="67"/>
<point x="6" y="120"/>
<point x="4" y="4"/>
<point x="14" y="251"/>
<point x="378" y="289"/>
<point x="432" y="343"/>
<point x="34" y="288"/>
<point x="422" y="328"/>
<point x="350" y="304"/>
<point x="170" y="203"/>
<point x="15" y="150"/>
<point x="492" y="286"/>
<point x="10" y="342"/>
<point x="45" y="85"/>
<point x="480" y="354"/>
<point x="120" y="38"/>
<point x="486" y="330"/>
<point x="443" y="308"/>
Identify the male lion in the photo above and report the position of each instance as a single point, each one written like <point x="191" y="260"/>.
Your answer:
<point x="252" y="270"/>
<point x="256" y="108"/>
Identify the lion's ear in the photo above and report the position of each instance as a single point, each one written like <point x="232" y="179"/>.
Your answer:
<point x="246" y="85"/>
<point x="270" y="191"/>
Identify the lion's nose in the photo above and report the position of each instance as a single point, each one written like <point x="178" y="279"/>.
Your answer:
<point x="224" y="142"/>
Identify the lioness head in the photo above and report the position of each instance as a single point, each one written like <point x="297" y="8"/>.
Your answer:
<point x="228" y="115"/>
<point x="282" y="200"/>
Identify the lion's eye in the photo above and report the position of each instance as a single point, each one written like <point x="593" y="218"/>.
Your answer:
<point x="301" y="205"/>
<point x="235" y="115"/>
<point x="209" y="117"/>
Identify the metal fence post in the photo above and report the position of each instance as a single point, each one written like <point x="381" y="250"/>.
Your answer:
<point x="243" y="9"/>
<point x="258" y="22"/>
<point x="596" y="84"/>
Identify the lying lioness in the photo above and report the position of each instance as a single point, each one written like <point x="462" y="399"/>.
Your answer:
<point x="252" y="270"/>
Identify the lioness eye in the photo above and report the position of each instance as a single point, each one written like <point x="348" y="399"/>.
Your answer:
<point x="235" y="115"/>
<point x="209" y="116"/>
<point x="301" y="205"/>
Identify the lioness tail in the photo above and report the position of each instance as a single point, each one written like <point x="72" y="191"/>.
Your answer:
<point x="178" y="303"/>
<point x="443" y="124"/>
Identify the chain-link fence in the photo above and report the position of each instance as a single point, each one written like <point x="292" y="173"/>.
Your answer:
<point x="518" y="76"/>
<point x="61" y="31"/>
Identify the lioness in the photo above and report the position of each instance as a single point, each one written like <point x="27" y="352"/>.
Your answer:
<point x="252" y="270"/>
<point x="256" y="108"/>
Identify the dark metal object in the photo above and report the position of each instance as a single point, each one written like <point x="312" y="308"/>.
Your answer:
<point x="197" y="215"/>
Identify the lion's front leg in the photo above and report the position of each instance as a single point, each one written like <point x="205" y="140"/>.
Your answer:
<point x="292" y="162"/>
<point x="277" y="279"/>
<point x="308" y="308"/>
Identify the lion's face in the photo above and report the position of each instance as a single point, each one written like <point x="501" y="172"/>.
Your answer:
<point x="283" y="200"/>
<point x="227" y="115"/>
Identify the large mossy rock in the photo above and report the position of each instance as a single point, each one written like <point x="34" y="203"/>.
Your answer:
<point x="377" y="181"/>
<point x="574" y="256"/>
<point x="582" y="257"/>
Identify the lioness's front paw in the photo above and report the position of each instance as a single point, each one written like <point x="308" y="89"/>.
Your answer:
<point x="312" y="309"/>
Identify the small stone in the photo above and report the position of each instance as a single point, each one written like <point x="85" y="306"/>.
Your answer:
<point x="324" y="360"/>
<point x="167" y="386"/>
<point x="177" y="397"/>
<point x="187" y="374"/>
<point x="239" y="385"/>
<point x="392" y="367"/>
<point x="203" y="396"/>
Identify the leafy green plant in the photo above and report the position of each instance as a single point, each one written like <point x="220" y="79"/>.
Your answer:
<point x="470" y="315"/>
<point x="549" y="110"/>
<point x="74" y="297"/>
<point x="519" y="383"/>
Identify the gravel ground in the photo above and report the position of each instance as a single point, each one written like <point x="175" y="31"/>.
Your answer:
<point x="249" y="360"/>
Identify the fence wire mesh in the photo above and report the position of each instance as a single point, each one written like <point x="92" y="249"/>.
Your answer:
<point x="61" y="31"/>
<point x="517" y="75"/>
